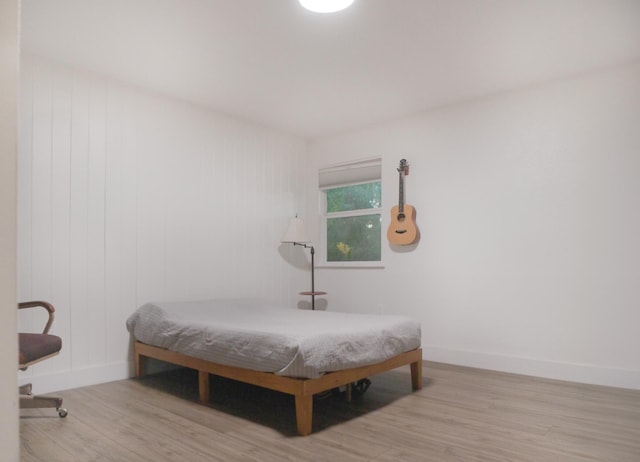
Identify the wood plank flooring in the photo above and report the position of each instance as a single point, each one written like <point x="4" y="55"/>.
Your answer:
<point x="461" y="414"/>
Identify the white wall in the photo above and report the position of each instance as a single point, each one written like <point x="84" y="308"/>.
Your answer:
<point x="9" y="442"/>
<point x="528" y="205"/>
<point x="126" y="197"/>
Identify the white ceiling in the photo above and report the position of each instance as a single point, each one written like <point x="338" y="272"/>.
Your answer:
<point x="271" y="62"/>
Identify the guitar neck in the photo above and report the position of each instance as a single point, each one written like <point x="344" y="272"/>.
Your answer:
<point x="401" y="192"/>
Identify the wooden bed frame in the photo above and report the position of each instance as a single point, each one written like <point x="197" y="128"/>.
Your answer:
<point x="302" y="389"/>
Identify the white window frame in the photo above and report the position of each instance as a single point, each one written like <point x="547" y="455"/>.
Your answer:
<point x="343" y="168"/>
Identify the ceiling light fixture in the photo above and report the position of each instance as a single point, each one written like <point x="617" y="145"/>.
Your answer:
<point x="325" y="6"/>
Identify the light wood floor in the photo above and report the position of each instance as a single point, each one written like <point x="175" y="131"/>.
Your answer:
<point x="462" y="414"/>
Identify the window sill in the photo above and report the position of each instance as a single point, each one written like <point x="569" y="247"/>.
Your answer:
<point x="350" y="265"/>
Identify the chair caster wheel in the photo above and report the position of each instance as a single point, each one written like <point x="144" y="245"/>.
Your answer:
<point x="62" y="413"/>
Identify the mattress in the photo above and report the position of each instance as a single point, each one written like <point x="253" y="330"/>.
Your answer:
<point x="264" y="336"/>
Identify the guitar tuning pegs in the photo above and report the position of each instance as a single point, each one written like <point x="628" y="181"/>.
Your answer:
<point x="403" y="168"/>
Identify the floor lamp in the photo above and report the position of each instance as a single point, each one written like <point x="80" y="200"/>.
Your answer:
<point x="296" y="234"/>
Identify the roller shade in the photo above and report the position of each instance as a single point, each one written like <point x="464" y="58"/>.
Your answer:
<point x="349" y="173"/>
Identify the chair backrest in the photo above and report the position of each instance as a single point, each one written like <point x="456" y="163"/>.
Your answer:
<point x="46" y="305"/>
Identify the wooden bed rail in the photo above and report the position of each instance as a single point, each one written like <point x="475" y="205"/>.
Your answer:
<point x="302" y="389"/>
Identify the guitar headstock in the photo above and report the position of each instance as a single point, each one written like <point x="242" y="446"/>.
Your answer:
<point x="404" y="167"/>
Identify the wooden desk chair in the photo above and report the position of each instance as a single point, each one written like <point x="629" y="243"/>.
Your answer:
<point x="34" y="348"/>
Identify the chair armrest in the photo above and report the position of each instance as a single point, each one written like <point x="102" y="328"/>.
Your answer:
<point x="47" y="306"/>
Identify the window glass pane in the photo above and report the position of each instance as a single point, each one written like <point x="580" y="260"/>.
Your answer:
<point x="354" y="238"/>
<point x="354" y="197"/>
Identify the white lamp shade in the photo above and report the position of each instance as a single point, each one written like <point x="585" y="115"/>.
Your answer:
<point x="296" y="232"/>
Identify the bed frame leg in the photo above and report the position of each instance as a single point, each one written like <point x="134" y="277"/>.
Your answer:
<point x="416" y="375"/>
<point x="304" y="414"/>
<point x="138" y="361"/>
<point x="203" y="386"/>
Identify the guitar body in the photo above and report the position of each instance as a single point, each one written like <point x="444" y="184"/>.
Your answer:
<point x="402" y="229"/>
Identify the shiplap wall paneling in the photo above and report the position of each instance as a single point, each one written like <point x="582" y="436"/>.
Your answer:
<point x="113" y="224"/>
<point x="26" y="319"/>
<point x="40" y="213"/>
<point x="116" y="202"/>
<point x="121" y="212"/>
<point x="151" y="177"/>
<point x="96" y="309"/>
<point x="128" y="270"/>
<point x="41" y="185"/>
<point x="60" y="207"/>
<point x="81" y="333"/>
<point x="184" y="203"/>
<point x="205" y="151"/>
<point x="25" y="149"/>
<point x="24" y="162"/>
<point x="127" y="197"/>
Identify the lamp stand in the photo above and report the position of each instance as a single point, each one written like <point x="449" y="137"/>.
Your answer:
<point x="313" y="292"/>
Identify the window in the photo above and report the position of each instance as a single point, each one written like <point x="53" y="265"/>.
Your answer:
<point x="352" y="220"/>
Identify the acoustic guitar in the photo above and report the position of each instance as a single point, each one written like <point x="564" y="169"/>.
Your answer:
<point x="402" y="229"/>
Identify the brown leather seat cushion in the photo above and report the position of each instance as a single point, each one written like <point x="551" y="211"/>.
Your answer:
<point x="36" y="346"/>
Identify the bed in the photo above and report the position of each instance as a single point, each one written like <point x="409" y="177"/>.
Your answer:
<point x="298" y="352"/>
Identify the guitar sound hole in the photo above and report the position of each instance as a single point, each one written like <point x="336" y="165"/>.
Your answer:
<point x="400" y="216"/>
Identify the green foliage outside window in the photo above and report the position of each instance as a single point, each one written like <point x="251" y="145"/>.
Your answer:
<point x="354" y="236"/>
<point x="355" y="197"/>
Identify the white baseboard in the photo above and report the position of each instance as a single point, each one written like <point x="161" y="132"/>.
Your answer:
<point x="65" y="380"/>
<point x="573" y="372"/>
<point x="68" y="379"/>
